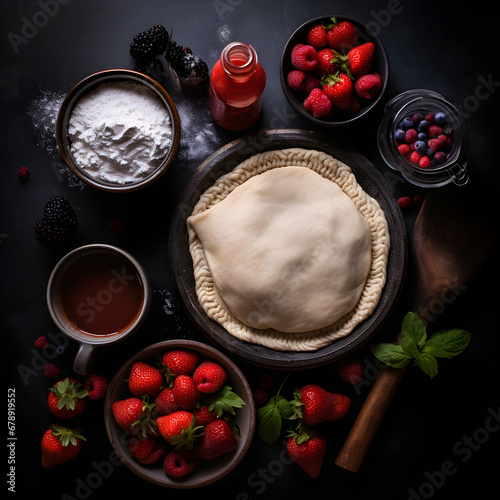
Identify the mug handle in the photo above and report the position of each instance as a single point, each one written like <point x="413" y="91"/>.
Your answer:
<point x="84" y="358"/>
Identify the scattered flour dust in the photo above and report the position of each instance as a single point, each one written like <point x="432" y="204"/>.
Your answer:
<point x="198" y="135"/>
<point x="43" y="111"/>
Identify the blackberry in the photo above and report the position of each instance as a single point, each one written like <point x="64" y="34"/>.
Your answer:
<point x="57" y="224"/>
<point x="59" y="211"/>
<point x="185" y="63"/>
<point x="148" y="44"/>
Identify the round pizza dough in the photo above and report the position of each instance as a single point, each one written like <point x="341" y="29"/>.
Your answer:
<point x="288" y="250"/>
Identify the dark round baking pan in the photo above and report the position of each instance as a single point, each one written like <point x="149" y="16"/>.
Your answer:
<point x="225" y="160"/>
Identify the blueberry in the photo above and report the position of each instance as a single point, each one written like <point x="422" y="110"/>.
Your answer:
<point x="429" y="152"/>
<point x="421" y="146"/>
<point x="422" y="136"/>
<point x="440" y="118"/>
<point x="399" y="135"/>
<point x="423" y="126"/>
<point x="407" y="123"/>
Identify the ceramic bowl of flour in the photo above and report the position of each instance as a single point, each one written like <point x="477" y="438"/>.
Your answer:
<point x="118" y="130"/>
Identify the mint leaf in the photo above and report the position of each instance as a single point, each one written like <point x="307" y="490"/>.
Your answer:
<point x="415" y="346"/>
<point x="269" y="418"/>
<point x="447" y="344"/>
<point x="414" y="328"/>
<point x="224" y="401"/>
<point x="391" y="354"/>
<point x="427" y="363"/>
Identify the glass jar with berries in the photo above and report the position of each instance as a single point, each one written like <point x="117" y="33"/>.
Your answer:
<point x="237" y="84"/>
<point x="423" y="136"/>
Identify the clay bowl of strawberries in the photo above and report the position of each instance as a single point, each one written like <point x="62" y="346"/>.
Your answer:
<point x="334" y="70"/>
<point x="180" y="414"/>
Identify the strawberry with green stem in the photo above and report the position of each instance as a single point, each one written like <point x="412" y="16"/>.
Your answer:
<point x="67" y="398"/>
<point x="339" y="89"/>
<point x="358" y="61"/>
<point x="179" y="429"/>
<point x="60" y="444"/>
<point x="307" y="450"/>
<point x="134" y="415"/>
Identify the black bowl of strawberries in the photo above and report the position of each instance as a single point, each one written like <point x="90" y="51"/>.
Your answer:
<point x="334" y="70"/>
<point x="180" y="414"/>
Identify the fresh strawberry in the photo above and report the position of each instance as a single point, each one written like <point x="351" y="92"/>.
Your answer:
<point x="321" y="405"/>
<point x="67" y="398"/>
<point x="178" y="428"/>
<point x="216" y="440"/>
<point x="326" y="62"/>
<point x="368" y="86"/>
<point x="60" y="444"/>
<point x="209" y="377"/>
<point x="307" y="453"/>
<point x="134" y="415"/>
<point x="316" y="37"/>
<point x="178" y="463"/>
<point x="318" y="104"/>
<point x="296" y="80"/>
<point x="185" y="393"/>
<point x="144" y="379"/>
<point x="352" y="371"/>
<point x="97" y="386"/>
<point x="342" y="36"/>
<point x="165" y="402"/>
<point x="157" y="453"/>
<point x="140" y="448"/>
<point x="339" y="89"/>
<point x="180" y="361"/>
<point x="359" y="59"/>
<point x="304" y="58"/>
<point x="204" y="416"/>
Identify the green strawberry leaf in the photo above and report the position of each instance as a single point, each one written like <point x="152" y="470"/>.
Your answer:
<point x="224" y="401"/>
<point x="269" y="418"/>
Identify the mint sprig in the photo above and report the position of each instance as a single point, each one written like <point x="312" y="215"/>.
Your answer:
<point x="415" y="346"/>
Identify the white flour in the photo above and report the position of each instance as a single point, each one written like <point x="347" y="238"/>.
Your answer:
<point x="120" y="132"/>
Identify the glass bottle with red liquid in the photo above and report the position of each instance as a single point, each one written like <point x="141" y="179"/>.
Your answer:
<point x="236" y="86"/>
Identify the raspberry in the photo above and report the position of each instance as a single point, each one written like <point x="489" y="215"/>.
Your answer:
<point x="352" y="372"/>
<point x="265" y="381"/>
<point x="304" y="58"/>
<point x="424" y="162"/>
<point x="317" y="103"/>
<point x="23" y="172"/>
<point x="296" y="80"/>
<point x="434" y="145"/>
<point x="405" y="202"/>
<point x="51" y="370"/>
<point x="368" y="86"/>
<point x="415" y="157"/>
<point x="429" y="118"/>
<point x="411" y="135"/>
<point x="311" y="82"/>
<point x="435" y="130"/>
<point x="41" y="342"/>
<point x="260" y="396"/>
<point x="404" y="149"/>
<point x="440" y="157"/>
<point x="97" y="386"/>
